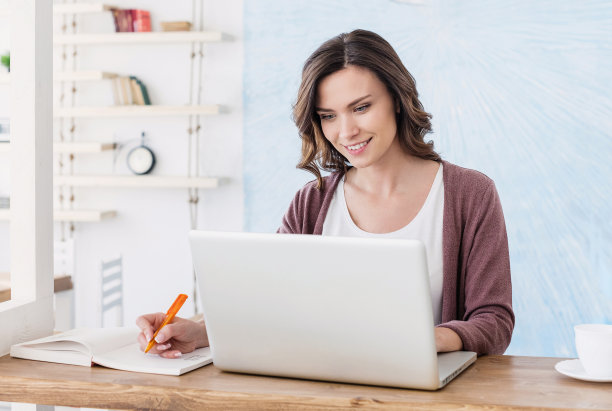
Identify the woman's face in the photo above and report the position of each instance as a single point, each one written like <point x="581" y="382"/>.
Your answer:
<point x="358" y="116"/>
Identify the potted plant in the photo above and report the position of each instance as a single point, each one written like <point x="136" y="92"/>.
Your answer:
<point x="6" y="61"/>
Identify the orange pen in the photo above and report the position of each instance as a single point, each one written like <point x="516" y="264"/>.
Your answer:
<point x="174" y="308"/>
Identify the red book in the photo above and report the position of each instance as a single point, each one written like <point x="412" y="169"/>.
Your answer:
<point x="127" y="20"/>
<point x="123" y="20"/>
<point x="116" y="13"/>
<point x="141" y="20"/>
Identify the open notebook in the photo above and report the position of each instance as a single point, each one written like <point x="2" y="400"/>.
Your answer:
<point x="110" y="347"/>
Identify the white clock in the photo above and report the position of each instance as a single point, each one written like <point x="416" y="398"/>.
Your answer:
<point x="141" y="160"/>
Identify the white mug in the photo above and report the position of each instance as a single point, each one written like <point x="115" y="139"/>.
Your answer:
<point x="594" y="346"/>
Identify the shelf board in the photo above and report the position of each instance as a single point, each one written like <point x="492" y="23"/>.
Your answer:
<point x="136" y="111"/>
<point x="82" y="147"/>
<point x="90" y="75"/>
<point x="81" y="216"/>
<point x="78" y="147"/>
<point x="151" y="37"/>
<point x="146" y="181"/>
<point x="71" y="76"/>
<point x="71" y="8"/>
<point x="80" y="8"/>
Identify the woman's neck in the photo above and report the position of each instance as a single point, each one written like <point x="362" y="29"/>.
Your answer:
<point x="395" y="175"/>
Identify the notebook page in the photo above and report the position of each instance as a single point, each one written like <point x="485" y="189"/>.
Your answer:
<point x="130" y="358"/>
<point x="100" y="340"/>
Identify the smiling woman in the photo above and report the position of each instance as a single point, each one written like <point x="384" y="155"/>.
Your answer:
<point x="360" y="118"/>
<point x="370" y="59"/>
<point x="351" y="128"/>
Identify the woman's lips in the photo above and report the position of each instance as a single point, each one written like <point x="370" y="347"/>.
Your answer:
<point x="359" y="147"/>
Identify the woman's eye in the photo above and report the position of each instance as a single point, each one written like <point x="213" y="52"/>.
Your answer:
<point x="361" y="108"/>
<point x="326" y="116"/>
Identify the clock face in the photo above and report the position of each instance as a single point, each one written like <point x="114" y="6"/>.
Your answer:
<point x="141" y="160"/>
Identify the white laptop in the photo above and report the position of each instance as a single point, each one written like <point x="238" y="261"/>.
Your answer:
<point x="325" y="308"/>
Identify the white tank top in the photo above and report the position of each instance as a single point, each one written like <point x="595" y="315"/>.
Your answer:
<point x="426" y="226"/>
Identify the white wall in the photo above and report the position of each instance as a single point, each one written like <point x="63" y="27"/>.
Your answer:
<point x="4" y="159"/>
<point x="150" y="230"/>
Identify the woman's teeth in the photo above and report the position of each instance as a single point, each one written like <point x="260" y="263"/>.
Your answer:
<point x="358" y="146"/>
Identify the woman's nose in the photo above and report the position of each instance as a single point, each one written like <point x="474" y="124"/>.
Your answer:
<point x="348" y="127"/>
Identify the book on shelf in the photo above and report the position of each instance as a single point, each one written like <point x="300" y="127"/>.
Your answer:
<point x="109" y="347"/>
<point x="141" y="20"/>
<point x="123" y="20"/>
<point x="131" y="20"/>
<point x="117" y="97"/>
<point x="145" y="93"/>
<point x="128" y="90"/>
<point x="137" y="97"/>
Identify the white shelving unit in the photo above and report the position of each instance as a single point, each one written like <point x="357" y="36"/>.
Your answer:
<point x="82" y="216"/>
<point x="152" y="37"/>
<point x="148" y="111"/>
<point x="82" y="147"/>
<point x="137" y="111"/>
<point x="71" y="76"/>
<point x="77" y="147"/>
<point x="81" y="8"/>
<point x="90" y="75"/>
<point x="145" y="181"/>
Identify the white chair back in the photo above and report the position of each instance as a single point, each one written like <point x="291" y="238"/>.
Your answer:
<point x="111" y="307"/>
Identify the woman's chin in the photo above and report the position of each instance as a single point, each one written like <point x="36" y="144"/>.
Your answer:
<point x="359" y="163"/>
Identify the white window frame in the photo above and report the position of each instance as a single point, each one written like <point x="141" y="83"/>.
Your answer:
<point x="29" y="313"/>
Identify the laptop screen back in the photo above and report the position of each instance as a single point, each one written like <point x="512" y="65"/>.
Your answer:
<point x="328" y="308"/>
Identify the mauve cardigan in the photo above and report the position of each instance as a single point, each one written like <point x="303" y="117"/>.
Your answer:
<point x="477" y="289"/>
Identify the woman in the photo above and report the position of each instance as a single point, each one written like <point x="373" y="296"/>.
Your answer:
<point x="360" y="118"/>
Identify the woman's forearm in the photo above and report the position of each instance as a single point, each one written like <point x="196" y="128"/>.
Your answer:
<point x="447" y="340"/>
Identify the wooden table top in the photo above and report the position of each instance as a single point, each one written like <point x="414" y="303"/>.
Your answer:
<point x="492" y="383"/>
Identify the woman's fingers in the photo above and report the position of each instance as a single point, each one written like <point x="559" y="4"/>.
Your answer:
<point x="148" y="323"/>
<point x="171" y="354"/>
<point x="168" y="332"/>
<point x="142" y="341"/>
<point x="181" y="336"/>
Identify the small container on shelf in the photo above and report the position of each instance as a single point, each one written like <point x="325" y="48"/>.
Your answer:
<point x="175" y="26"/>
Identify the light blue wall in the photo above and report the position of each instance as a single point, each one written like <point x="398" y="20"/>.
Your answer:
<point x="519" y="90"/>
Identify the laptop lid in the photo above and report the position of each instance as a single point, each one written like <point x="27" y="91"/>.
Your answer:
<point x="327" y="308"/>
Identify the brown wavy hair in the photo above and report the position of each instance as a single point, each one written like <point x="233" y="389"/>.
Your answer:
<point x="368" y="50"/>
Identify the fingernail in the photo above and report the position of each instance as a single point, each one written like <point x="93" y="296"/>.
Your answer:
<point x="178" y="354"/>
<point x="148" y="335"/>
<point x="160" y="338"/>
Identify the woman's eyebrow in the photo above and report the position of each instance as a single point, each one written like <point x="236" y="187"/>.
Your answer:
<point x="352" y="103"/>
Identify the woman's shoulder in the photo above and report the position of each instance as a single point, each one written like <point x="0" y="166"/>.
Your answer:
<point x="328" y="186"/>
<point x="465" y="180"/>
<point x="309" y="205"/>
<point x="469" y="192"/>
